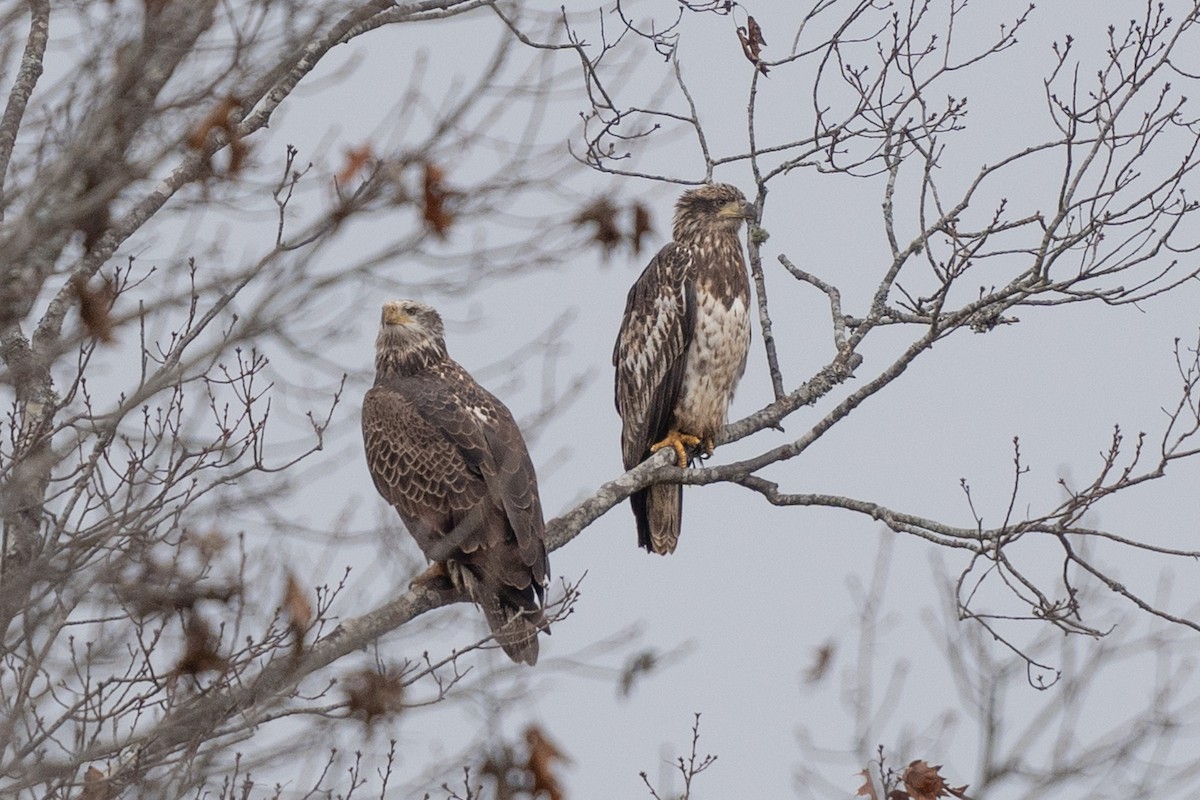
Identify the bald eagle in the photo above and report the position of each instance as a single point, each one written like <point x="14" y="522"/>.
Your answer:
<point x="682" y="349"/>
<point x="448" y="456"/>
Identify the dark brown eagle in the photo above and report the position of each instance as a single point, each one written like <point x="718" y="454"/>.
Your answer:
<point x="682" y="349"/>
<point x="450" y="459"/>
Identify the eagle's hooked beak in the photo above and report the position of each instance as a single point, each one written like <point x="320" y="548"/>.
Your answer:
<point x="737" y="209"/>
<point x="393" y="314"/>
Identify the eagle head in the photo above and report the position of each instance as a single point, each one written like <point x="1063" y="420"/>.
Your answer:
<point x="713" y="207"/>
<point x="409" y="331"/>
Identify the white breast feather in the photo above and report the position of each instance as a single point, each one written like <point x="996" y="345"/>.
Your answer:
<point x="715" y="363"/>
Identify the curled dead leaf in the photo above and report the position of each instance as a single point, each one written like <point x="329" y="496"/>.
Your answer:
<point x="298" y="610"/>
<point x="542" y="757"/>
<point x="357" y="159"/>
<point x="924" y="782"/>
<point x="94" y="307"/>
<point x="220" y="118"/>
<point x="436" y="215"/>
<point x="753" y="42"/>
<point x="215" y="120"/>
<point x="755" y="33"/>
<point x="208" y="544"/>
<point x="602" y="214"/>
<point x="372" y="693"/>
<point x="641" y="226"/>
<point x="95" y="786"/>
<point x="867" y="790"/>
<point x="238" y="150"/>
<point x="200" y="651"/>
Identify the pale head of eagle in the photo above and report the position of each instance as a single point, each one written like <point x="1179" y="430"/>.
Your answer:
<point x="411" y="336"/>
<point x="710" y="208"/>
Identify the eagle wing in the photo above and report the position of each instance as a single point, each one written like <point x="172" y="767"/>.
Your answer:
<point x="512" y="484"/>
<point x="651" y="350"/>
<point x="416" y="468"/>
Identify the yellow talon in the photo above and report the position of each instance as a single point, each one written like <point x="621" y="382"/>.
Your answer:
<point x="681" y="441"/>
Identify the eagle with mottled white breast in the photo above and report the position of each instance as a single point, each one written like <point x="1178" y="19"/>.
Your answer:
<point x="448" y="456"/>
<point x="682" y="349"/>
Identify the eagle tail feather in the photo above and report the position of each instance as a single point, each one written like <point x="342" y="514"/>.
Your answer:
<point x="642" y="517"/>
<point x="515" y="629"/>
<point x="513" y="615"/>
<point x="659" y="517"/>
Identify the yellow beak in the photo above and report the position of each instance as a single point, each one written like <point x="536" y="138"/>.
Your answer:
<point x="738" y="209"/>
<point x="393" y="314"/>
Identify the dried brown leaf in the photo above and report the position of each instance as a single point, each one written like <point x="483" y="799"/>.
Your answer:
<point x="924" y="782"/>
<point x="238" y="150"/>
<point x="436" y="216"/>
<point x="755" y="32"/>
<point x="357" y="159"/>
<point x="208" y="544"/>
<point x="215" y="120"/>
<point x="94" y="307"/>
<point x="298" y="609"/>
<point x="95" y="786"/>
<point x="542" y="757"/>
<point x="220" y="119"/>
<point x="753" y="42"/>
<point x="371" y="693"/>
<point x="641" y="226"/>
<point x="200" y="652"/>
<point x="603" y="215"/>
<point x="821" y="662"/>
<point x="867" y="790"/>
<point x="501" y="769"/>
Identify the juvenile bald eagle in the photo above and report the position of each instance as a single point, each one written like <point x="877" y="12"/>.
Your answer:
<point x="450" y="459"/>
<point x="682" y="349"/>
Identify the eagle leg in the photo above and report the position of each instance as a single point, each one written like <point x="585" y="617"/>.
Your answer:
<point x="678" y="440"/>
<point x="709" y="445"/>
